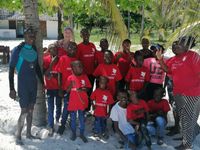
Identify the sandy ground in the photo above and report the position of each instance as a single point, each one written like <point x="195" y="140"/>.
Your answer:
<point x="9" y="113"/>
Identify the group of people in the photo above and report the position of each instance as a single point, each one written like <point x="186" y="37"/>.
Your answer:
<point x="127" y="87"/>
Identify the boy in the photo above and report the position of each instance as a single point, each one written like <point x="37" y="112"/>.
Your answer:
<point x="110" y="70"/>
<point x="137" y="114"/>
<point x="101" y="98"/>
<point x="158" y="109"/>
<point x="64" y="68"/>
<point x="78" y="84"/>
<point x="24" y="59"/>
<point x="99" y="54"/>
<point x="118" y="115"/>
<point x="50" y="63"/>
<point x="138" y="75"/>
<point x="123" y="60"/>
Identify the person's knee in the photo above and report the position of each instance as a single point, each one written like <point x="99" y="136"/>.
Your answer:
<point x="160" y="121"/>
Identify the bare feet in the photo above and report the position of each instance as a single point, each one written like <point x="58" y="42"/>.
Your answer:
<point x="18" y="141"/>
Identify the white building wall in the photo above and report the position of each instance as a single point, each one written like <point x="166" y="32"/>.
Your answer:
<point x="7" y="33"/>
<point x="4" y="24"/>
<point x="52" y="29"/>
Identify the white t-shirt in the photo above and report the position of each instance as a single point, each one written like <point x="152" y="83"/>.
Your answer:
<point x="119" y="114"/>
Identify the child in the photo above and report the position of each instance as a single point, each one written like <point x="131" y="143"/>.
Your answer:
<point x="137" y="114"/>
<point x="50" y="63"/>
<point x="123" y="60"/>
<point x="64" y="68"/>
<point x="157" y="75"/>
<point x="78" y="85"/>
<point x="102" y="98"/>
<point x="158" y="109"/>
<point x="138" y="75"/>
<point x="146" y="52"/>
<point x="99" y="54"/>
<point x="118" y="115"/>
<point x="111" y="71"/>
<point x="86" y="54"/>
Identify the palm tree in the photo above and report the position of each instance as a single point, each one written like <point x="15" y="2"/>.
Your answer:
<point x="32" y="20"/>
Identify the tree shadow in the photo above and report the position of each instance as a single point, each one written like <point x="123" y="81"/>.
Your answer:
<point x="4" y="68"/>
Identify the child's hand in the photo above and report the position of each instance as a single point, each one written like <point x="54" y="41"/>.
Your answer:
<point x="159" y="54"/>
<point x="137" y="128"/>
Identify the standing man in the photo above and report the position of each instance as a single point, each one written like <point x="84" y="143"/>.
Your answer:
<point x="24" y="59"/>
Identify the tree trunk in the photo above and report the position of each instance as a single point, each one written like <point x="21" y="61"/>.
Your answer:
<point x="32" y="20"/>
<point x="60" y="35"/>
<point x="142" y="23"/>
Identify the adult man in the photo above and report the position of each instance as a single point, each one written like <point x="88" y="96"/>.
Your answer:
<point x="24" y="59"/>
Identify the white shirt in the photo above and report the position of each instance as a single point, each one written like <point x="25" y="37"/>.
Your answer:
<point x="119" y="114"/>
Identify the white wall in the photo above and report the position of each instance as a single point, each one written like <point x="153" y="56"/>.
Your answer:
<point x="52" y="29"/>
<point x="4" y="24"/>
<point x="7" y="33"/>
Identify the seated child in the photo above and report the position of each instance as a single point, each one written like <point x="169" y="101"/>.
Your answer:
<point x="101" y="98"/>
<point x="137" y="114"/>
<point x="118" y="115"/>
<point x="78" y="85"/>
<point x="158" y="109"/>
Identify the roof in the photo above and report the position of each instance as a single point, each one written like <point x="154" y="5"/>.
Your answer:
<point x="20" y="16"/>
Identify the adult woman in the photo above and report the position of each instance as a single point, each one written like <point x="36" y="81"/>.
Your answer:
<point x="185" y="71"/>
<point x="63" y="43"/>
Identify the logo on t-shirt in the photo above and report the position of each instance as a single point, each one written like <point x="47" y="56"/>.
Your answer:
<point x="114" y="71"/>
<point x="184" y="58"/>
<point x="82" y="83"/>
<point x="143" y="74"/>
<point x="105" y="98"/>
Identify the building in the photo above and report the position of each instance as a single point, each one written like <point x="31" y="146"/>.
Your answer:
<point x="12" y="25"/>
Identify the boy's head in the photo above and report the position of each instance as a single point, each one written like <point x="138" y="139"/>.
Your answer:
<point x="156" y="47"/>
<point x="122" y="97"/>
<point x="126" y="45"/>
<point x="108" y="57"/>
<point x="52" y="50"/>
<point x="145" y="43"/>
<point x="71" y="49"/>
<point x="159" y="93"/>
<point x="133" y="97"/>
<point x="68" y="34"/>
<point x="85" y="35"/>
<point x="29" y="36"/>
<point x="77" y="67"/>
<point x="139" y="59"/>
<point x="103" y="82"/>
<point x="104" y="44"/>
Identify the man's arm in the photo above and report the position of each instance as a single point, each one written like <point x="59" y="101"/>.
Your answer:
<point x="12" y="93"/>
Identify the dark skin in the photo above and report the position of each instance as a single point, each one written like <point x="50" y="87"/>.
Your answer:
<point x="126" y="49"/>
<point x="71" y="50"/>
<point x="85" y="35"/>
<point x="122" y="97"/>
<point x="26" y="113"/>
<point x="158" y="97"/>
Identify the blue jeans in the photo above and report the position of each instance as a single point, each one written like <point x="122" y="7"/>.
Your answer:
<point x="65" y="112"/>
<point x="81" y="116"/>
<point x="158" y="127"/>
<point x="100" y="125"/>
<point x="51" y="95"/>
<point x="131" y="138"/>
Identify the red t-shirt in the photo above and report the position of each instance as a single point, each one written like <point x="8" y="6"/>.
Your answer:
<point x="133" y="108"/>
<point x="51" y="82"/>
<point x="156" y="106"/>
<point x="124" y="62"/>
<point x="137" y="77"/>
<point x="99" y="57"/>
<point x="86" y="54"/>
<point x="103" y="99"/>
<point x="78" y="100"/>
<point x="157" y="75"/>
<point x="64" y="67"/>
<point x="112" y="72"/>
<point x="61" y="51"/>
<point x="185" y="70"/>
